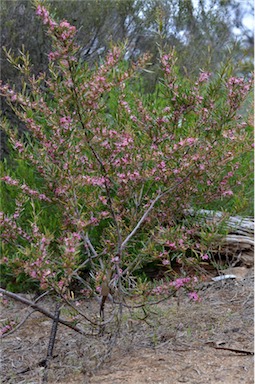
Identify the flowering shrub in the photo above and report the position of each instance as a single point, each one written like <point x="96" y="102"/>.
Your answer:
<point x="115" y="168"/>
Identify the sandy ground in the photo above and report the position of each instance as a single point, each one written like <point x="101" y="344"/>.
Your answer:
<point x="178" y="342"/>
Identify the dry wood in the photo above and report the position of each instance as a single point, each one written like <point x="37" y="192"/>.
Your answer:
<point x="235" y="224"/>
<point x="239" y="241"/>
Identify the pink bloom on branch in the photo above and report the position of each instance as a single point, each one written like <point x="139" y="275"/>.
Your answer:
<point x="171" y="245"/>
<point x="178" y="283"/>
<point x="52" y="24"/>
<point x="103" y="199"/>
<point x="204" y="76"/>
<point x="33" y="274"/>
<point x="105" y="214"/>
<point x="61" y="284"/>
<point x="70" y="249"/>
<point x="193" y="296"/>
<point x="227" y="193"/>
<point x="53" y="56"/>
<point x="5" y="329"/>
<point x="93" y="220"/>
<point x="64" y="24"/>
<point x="191" y="140"/>
<point x="9" y="180"/>
<point x="42" y="11"/>
<point x="19" y="146"/>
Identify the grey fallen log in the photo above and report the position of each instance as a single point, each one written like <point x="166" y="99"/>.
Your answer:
<point x="239" y="241"/>
<point x="236" y="224"/>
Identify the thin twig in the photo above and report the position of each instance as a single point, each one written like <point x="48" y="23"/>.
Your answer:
<point x="144" y="304"/>
<point x="235" y="350"/>
<point x="84" y="316"/>
<point x="146" y="213"/>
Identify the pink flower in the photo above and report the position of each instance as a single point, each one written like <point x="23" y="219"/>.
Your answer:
<point x="9" y="180"/>
<point x="61" y="284"/>
<point x="70" y="249"/>
<point x="105" y="214"/>
<point x="204" y="76"/>
<point x="103" y="199"/>
<point x="171" y="245"/>
<point x="5" y="329"/>
<point x="33" y="274"/>
<point x="194" y="296"/>
<point x="53" y="56"/>
<point x="64" y="24"/>
<point x="191" y="140"/>
<point x="19" y="146"/>
<point x="205" y="257"/>
<point x="227" y="193"/>
<point x="178" y="283"/>
<point x="42" y="11"/>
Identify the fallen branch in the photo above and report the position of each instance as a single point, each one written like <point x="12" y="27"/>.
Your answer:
<point x="43" y="311"/>
<point x="235" y="350"/>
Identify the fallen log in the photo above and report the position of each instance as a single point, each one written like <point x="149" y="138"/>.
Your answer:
<point x="239" y="240"/>
<point x="236" y="224"/>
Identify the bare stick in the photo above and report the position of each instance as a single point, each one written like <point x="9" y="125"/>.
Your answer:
<point x="235" y="350"/>
<point x="146" y="213"/>
<point x="42" y="310"/>
<point x="51" y="342"/>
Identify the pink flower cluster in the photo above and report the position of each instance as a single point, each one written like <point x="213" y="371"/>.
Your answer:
<point x="238" y="90"/>
<point x="7" y="328"/>
<point x="167" y="62"/>
<point x="99" y="181"/>
<point x="11" y="230"/>
<point x="180" y="282"/>
<point x="19" y="146"/>
<point x="68" y="31"/>
<point x="184" y="282"/>
<point x="204" y="76"/>
<point x="71" y="242"/>
<point x="43" y="12"/>
<point x="27" y="190"/>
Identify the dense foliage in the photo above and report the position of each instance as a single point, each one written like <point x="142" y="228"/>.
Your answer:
<point x="103" y="177"/>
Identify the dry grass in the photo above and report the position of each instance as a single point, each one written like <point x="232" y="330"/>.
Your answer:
<point x="172" y="344"/>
